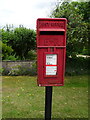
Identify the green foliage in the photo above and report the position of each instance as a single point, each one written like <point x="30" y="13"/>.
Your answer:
<point x="85" y="52"/>
<point x="6" y="51"/>
<point x="31" y="55"/>
<point x="24" y="41"/>
<point x="12" y="58"/>
<point x="21" y="40"/>
<point x="7" y="35"/>
<point x="77" y="66"/>
<point x="77" y="14"/>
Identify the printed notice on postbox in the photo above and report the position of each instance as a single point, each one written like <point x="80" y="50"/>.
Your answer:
<point x="51" y="64"/>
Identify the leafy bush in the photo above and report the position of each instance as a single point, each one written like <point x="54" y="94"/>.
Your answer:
<point x="17" y="41"/>
<point x="86" y="52"/>
<point x="12" y="58"/>
<point x="77" y="66"/>
<point x="6" y="51"/>
<point x="31" y="55"/>
<point x="78" y="24"/>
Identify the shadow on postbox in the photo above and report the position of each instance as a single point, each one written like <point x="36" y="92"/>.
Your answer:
<point x="51" y="51"/>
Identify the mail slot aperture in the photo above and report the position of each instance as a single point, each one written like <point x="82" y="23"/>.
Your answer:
<point x="51" y="33"/>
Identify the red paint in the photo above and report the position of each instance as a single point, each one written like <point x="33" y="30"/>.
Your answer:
<point x="51" y="65"/>
<point x="51" y="39"/>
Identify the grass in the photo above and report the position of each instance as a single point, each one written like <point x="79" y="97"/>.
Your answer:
<point x="22" y="98"/>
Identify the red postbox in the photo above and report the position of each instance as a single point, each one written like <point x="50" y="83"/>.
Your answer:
<point x="51" y="50"/>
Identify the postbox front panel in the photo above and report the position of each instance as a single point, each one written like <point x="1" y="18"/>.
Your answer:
<point x="51" y="49"/>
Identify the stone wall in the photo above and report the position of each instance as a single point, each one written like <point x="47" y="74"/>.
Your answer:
<point x="14" y="68"/>
<point x="16" y="64"/>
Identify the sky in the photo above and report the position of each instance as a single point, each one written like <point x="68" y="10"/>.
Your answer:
<point x="24" y="12"/>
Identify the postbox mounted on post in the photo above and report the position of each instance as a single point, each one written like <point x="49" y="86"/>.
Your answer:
<point x="51" y="50"/>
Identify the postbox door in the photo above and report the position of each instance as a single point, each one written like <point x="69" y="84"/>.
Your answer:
<point x="51" y="67"/>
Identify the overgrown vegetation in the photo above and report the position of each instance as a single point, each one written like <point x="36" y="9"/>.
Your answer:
<point x="77" y="66"/>
<point x="78" y="25"/>
<point x="18" y="43"/>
